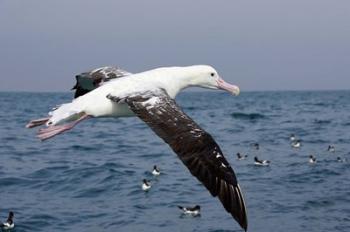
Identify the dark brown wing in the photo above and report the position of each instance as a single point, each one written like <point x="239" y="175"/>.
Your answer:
<point x="194" y="146"/>
<point x="90" y="80"/>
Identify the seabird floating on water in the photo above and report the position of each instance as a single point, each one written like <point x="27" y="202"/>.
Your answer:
<point x="256" y="146"/>
<point x="150" y="96"/>
<point x="146" y="185"/>
<point x="331" y="148"/>
<point x="312" y="159"/>
<point x="241" y="157"/>
<point x="296" y="144"/>
<point x="9" y="224"/>
<point x="156" y="171"/>
<point x="340" y="160"/>
<point x="193" y="211"/>
<point x="261" y="162"/>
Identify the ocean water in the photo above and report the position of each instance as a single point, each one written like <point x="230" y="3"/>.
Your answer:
<point x="89" y="179"/>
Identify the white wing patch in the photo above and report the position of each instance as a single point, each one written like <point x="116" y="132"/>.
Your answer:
<point x="152" y="101"/>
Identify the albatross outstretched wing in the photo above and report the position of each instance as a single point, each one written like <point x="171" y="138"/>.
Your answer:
<point x="90" y="80"/>
<point x="194" y="146"/>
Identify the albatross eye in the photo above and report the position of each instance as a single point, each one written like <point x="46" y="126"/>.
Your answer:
<point x="212" y="74"/>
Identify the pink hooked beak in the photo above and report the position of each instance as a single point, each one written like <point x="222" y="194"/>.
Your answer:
<point x="233" y="89"/>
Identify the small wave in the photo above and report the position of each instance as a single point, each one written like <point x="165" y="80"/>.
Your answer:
<point x="14" y="181"/>
<point x="83" y="148"/>
<point x="346" y="124"/>
<point x="316" y="141"/>
<point x="45" y="173"/>
<point x="320" y="104"/>
<point x="317" y="203"/>
<point x="320" y="121"/>
<point x="248" y="116"/>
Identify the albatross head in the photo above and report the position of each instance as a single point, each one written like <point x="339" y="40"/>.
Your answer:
<point x="207" y="77"/>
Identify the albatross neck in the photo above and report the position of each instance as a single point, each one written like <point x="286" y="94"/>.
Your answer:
<point x="181" y="79"/>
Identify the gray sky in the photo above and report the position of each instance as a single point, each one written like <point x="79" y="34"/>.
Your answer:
<point x="256" y="44"/>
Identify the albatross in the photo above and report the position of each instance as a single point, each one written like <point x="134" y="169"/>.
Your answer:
<point x="150" y="96"/>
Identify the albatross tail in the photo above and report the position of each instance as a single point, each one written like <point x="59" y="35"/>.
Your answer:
<point x="37" y="122"/>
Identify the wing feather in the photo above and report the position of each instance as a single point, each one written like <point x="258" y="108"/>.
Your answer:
<point x="91" y="80"/>
<point x="194" y="146"/>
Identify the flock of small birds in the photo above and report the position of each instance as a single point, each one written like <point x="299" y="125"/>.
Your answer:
<point x="295" y="143"/>
<point x="146" y="186"/>
<point x="195" y="211"/>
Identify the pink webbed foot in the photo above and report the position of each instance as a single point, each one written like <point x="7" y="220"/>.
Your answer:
<point x="52" y="131"/>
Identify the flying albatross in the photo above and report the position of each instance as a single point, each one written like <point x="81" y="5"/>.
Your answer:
<point x="150" y="96"/>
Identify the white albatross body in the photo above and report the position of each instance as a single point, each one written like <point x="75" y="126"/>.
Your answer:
<point x="172" y="80"/>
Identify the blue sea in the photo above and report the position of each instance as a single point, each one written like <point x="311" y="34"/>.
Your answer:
<point x="89" y="179"/>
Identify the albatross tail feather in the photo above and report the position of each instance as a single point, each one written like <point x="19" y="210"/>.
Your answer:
<point x="37" y="122"/>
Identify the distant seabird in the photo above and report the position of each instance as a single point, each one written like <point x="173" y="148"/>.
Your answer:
<point x="296" y="144"/>
<point x="156" y="171"/>
<point x="193" y="211"/>
<point x="150" y="96"/>
<point x="331" y="148"/>
<point x="256" y="146"/>
<point x="146" y="185"/>
<point x="9" y="224"/>
<point x="261" y="162"/>
<point x="340" y="160"/>
<point x="312" y="159"/>
<point x="241" y="157"/>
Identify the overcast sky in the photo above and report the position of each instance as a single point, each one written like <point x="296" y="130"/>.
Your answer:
<point x="256" y="44"/>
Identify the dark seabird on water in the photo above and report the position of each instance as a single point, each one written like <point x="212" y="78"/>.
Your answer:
<point x="312" y="159"/>
<point x="256" y="146"/>
<point x="296" y="143"/>
<point x="331" y="148"/>
<point x="193" y="211"/>
<point x="261" y="162"/>
<point x="9" y="224"/>
<point x="241" y="157"/>
<point x="146" y="185"/>
<point x="150" y="96"/>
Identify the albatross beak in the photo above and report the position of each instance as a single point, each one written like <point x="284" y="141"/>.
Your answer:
<point x="233" y="89"/>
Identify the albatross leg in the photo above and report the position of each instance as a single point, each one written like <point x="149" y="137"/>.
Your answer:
<point x="37" y="122"/>
<point x="51" y="131"/>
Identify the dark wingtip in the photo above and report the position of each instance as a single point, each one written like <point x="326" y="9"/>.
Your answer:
<point x="242" y="219"/>
<point x="232" y="199"/>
